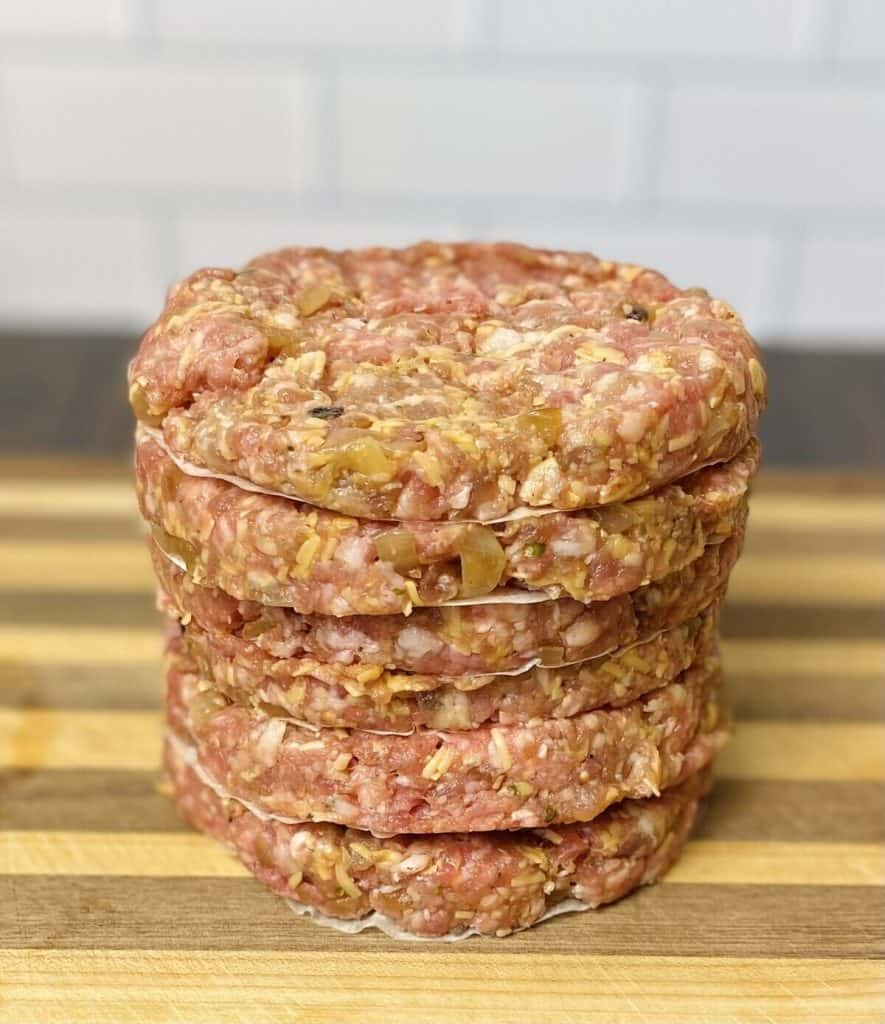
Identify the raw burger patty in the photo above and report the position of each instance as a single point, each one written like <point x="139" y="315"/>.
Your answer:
<point x="493" y="883"/>
<point x="447" y="381"/>
<point x="277" y="551"/>
<point x="459" y="640"/>
<point x="493" y="777"/>
<point x="370" y="697"/>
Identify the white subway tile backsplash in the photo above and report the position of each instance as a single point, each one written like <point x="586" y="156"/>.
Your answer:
<point x="73" y="19"/>
<point x="345" y="23"/>
<point x="485" y="135"/>
<point x="705" y="138"/>
<point x="165" y="127"/>
<point x="842" y="282"/>
<point x="861" y="31"/>
<point x="76" y="268"/>
<point x="225" y="240"/>
<point x="658" y="29"/>
<point x="818" y="146"/>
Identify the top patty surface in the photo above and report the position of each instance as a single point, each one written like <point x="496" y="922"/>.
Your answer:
<point x="447" y="381"/>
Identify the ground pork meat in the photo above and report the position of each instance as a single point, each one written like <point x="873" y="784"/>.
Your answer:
<point x="447" y="381"/>
<point x="459" y="640"/>
<point x="493" y="777"/>
<point x="332" y="695"/>
<point x="492" y="883"/>
<point x="277" y="551"/>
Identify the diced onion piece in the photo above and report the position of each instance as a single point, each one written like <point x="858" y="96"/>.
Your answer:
<point x="547" y="424"/>
<point x="398" y="547"/>
<point x="140" y="403"/>
<point x="551" y="656"/>
<point x="616" y="518"/>
<point x="175" y="547"/>
<point x="252" y="630"/>
<point x="366" y="456"/>
<point x="316" y="484"/>
<point x="313" y="298"/>
<point x="202" y="706"/>
<point x="278" y="340"/>
<point x="482" y="561"/>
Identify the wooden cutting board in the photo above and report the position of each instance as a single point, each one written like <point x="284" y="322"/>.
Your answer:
<point x="113" y="911"/>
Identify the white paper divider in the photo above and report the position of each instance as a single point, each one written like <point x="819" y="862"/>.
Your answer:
<point x="192" y="469"/>
<point x="374" y="920"/>
<point x="503" y="595"/>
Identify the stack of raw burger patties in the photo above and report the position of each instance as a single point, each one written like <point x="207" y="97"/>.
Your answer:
<point x="443" y="534"/>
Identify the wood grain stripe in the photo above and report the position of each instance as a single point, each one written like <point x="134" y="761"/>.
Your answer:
<point x="797" y="812"/>
<point x="134" y="610"/>
<point x="824" y="513"/>
<point x="145" y="854"/>
<point x="847" y="580"/>
<point x="47" y="565"/>
<point x="806" y="750"/>
<point x="56" y="911"/>
<point x="38" y="738"/>
<point x="102" y="800"/>
<point x="766" y="680"/>
<point x="111" y="685"/>
<point x="123" y="567"/>
<point x="190" y="855"/>
<point x="771" y="620"/>
<point x="815" y="659"/>
<point x="50" y="738"/>
<point x="139" y="686"/>
<point x="89" y="800"/>
<point x="98" y="528"/>
<point x="63" y="609"/>
<point x="772" y="509"/>
<point x="72" y="499"/>
<point x="724" y="862"/>
<point x="775" y="698"/>
<point x="340" y="985"/>
<point x="83" y="645"/>
<point x="764" y="539"/>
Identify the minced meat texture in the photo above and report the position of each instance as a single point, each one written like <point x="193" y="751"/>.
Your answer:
<point x="491" y="882"/>
<point x="447" y="381"/>
<point x="278" y="551"/>
<point x="458" y="640"/>
<point x="332" y="695"/>
<point x="543" y="772"/>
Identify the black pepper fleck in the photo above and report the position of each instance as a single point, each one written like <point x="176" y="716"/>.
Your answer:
<point x="327" y="412"/>
<point x="632" y="312"/>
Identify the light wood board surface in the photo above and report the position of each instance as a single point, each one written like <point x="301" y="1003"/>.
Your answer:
<point x="111" y="910"/>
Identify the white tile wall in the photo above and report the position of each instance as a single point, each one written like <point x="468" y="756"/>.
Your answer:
<point x="815" y="146"/>
<point x="841" y="286"/>
<point x="388" y="25"/>
<point x="140" y="123"/>
<point x="63" y="268"/>
<point x="660" y="29"/>
<point x="63" y="18"/>
<point x="738" y="145"/>
<point x="485" y="135"/>
<point x="862" y="30"/>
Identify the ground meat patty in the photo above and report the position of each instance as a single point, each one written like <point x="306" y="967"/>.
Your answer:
<point x="492" y="883"/>
<point x="370" y="697"/>
<point x="447" y="381"/>
<point x="278" y="551"/>
<point x="459" y="640"/>
<point x="493" y="777"/>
